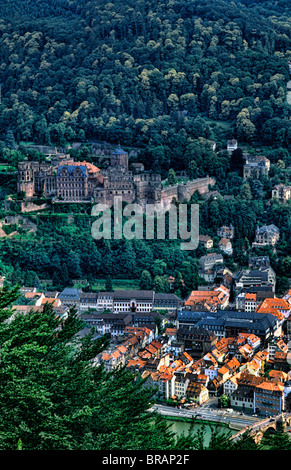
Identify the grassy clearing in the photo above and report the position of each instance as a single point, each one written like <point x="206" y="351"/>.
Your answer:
<point x="118" y="284"/>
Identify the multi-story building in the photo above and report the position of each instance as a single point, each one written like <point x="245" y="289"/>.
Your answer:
<point x="210" y="299"/>
<point x="121" y="301"/>
<point x="206" y="241"/>
<point x="250" y="297"/>
<point x="256" y="166"/>
<point x="207" y="265"/>
<point x="88" y="301"/>
<point x="68" y="181"/>
<point x="113" y="323"/>
<point x="266" y="235"/>
<point x="181" y="383"/>
<point x="251" y="278"/>
<point x="230" y="323"/>
<point x="253" y="300"/>
<point x="196" y="339"/>
<point x="242" y="397"/>
<point x="269" y="398"/>
<point x="226" y="231"/>
<point x="275" y="306"/>
<point x="281" y="192"/>
<point x="225" y="245"/>
<point x="259" y="262"/>
<point x="70" y="297"/>
<point x="209" y="261"/>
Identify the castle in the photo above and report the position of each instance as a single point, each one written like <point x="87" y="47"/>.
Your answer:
<point x="64" y="180"/>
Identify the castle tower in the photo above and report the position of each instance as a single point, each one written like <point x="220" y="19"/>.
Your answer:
<point x="25" y="180"/>
<point x="119" y="158"/>
<point x="148" y="188"/>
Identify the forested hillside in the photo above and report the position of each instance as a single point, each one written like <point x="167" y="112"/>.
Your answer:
<point x="155" y="74"/>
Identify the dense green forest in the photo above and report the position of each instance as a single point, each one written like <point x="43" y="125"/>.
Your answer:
<point x="160" y="76"/>
<point x="155" y="74"/>
<point x="164" y="77"/>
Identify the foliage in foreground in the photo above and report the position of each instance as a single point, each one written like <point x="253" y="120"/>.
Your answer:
<point x="52" y="397"/>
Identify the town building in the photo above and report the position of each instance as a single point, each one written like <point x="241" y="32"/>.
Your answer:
<point x="121" y="301"/>
<point x="226" y="231"/>
<point x="206" y="241"/>
<point x="207" y="265"/>
<point x="266" y="235"/>
<point x="209" y="261"/>
<point x="209" y="299"/>
<point x="223" y="276"/>
<point x="242" y="397"/>
<point x="197" y="340"/>
<point x="275" y="306"/>
<point x="70" y="297"/>
<point x="254" y="278"/>
<point x="231" y="145"/>
<point x="197" y="393"/>
<point x="281" y="192"/>
<point x="231" y="323"/>
<point x="259" y="262"/>
<point x="113" y="324"/>
<point x="255" y="167"/>
<point x="269" y="398"/>
<point x="88" y="301"/>
<point x="225" y="245"/>
<point x="249" y="301"/>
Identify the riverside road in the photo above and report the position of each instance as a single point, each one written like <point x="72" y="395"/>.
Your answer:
<point x="209" y="413"/>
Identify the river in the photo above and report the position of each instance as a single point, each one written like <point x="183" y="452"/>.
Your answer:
<point x="183" y="426"/>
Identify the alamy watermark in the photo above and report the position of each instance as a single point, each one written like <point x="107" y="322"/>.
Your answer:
<point x="147" y="222"/>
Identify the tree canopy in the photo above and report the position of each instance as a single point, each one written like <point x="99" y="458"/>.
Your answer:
<point x="52" y="397"/>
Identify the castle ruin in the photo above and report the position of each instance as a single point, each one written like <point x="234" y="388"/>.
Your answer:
<point x="64" y="180"/>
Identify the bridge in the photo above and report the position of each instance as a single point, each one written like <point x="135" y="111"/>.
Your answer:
<point x="270" y="424"/>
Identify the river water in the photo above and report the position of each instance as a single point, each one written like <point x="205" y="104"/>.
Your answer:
<point x="183" y="426"/>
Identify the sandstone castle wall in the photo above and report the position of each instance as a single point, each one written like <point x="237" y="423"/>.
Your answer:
<point x="184" y="191"/>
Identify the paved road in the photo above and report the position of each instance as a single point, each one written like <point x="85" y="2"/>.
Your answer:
<point x="209" y="413"/>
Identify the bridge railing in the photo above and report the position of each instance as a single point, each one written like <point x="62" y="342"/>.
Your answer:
<point x="260" y="424"/>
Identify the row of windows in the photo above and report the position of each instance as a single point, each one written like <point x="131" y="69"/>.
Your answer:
<point x="118" y="186"/>
<point x="74" y="193"/>
<point x="118" y="192"/>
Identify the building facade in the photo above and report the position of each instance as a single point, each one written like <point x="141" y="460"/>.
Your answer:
<point x="64" y="180"/>
<point x="256" y="166"/>
<point x="281" y="192"/>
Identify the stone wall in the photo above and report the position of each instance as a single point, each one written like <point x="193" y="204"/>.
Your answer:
<point x="27" y="206"/>
<point x="167" y="194"/>
<point x="184" y="191"/>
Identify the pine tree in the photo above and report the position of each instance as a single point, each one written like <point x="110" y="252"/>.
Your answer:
<point x="108" y="284"/>
<point x="52" y="397"/>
